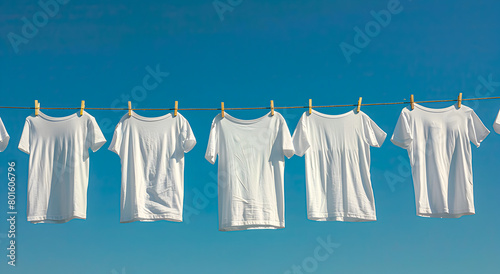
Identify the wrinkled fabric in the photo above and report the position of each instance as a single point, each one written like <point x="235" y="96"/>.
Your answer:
<point x="438" y="145"/>
<point x="251" y="168"/>
<point x="151" y="151"/>
<point x="337" y="157"/>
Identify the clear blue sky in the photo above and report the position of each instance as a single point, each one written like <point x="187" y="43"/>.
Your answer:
<point x="288" y="51"/>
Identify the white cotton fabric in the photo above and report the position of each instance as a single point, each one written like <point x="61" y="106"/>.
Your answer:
<point x="496" y="125"/>
<point x="151" y="151"/>
<point x="337" y="157"/>
<point x="59" y="165"/>
<point x="251" y="169"/>
<point x="438" y="145"/>
<point x="4" y="137"/>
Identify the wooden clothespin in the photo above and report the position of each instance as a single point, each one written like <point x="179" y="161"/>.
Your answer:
<point x="359" y="104"/>
<point x="37" y="107"/>
<point x="222" y="108"/>
<point x="176" y="107"/>
<point x="310" y="105"/>
<point x="129" y="108"/>
<point x="412" y="102"/>
<point x="272" y="108"/>
<point x="82" y="107"/>
<point x="459" y="100"/>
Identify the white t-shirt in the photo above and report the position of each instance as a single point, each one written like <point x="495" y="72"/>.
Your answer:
<point x="337" y="149"/>
<point x="151" y="151"/>
<point x="251" y="169"/>
<point x="4" y="137"/>
<point x="438" y="144"/>
<point x="59" y="165"/>
<point x="496" y="125"/>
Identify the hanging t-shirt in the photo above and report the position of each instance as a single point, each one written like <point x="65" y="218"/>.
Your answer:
<point x="4" y="137"/>
<point x="251" y="169"/>
<point x="438" y="144"/>
<point x="151" y="151"/>
<point x="496" y="125"/>
<point x="337" y="149"/>
<point x="59" y="165"/>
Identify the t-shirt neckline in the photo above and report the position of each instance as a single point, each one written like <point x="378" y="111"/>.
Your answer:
<point x="50" y="118"/>
<point x="452" y="107"/>
<point x="150" y="119"/>
<point x="332" y="116"/>
<point x="241" y="121"/>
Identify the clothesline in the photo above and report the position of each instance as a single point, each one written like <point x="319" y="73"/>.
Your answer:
<point x="256" y="201"/>
<point x="277" y="107"/>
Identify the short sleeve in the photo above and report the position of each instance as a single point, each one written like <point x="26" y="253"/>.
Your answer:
<point x="95" y="138"/>
<point x="213" y="141"/>
<point x="188" y="141"/>
<point x="24" y="143"/>
<point x="116" y="142"/>
<point x="286" y="139"/>
<point x="300" y="137"/>
<point x="496" y="125"/>
<point x="402" y="135"/>
<point x="477" y="130"/>
<point x="373" y="134"/>
<point x="4" y="137"/>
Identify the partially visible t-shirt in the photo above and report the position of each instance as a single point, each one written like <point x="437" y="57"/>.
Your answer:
<point x="496" y="125"/>
<point x="337" y="149"/>
<point x="251" y="169"/>
<point x="59" y="165"/>
<point x="151" y="151"/>
<point x="438" y="144"/>
<point x="4" y="137"/>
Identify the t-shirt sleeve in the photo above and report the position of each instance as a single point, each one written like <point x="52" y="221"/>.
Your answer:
<point x="116" y="142"/>
<point x="24" y="143"/>
<point x="300" y="137"/>
<point x="213" y="141"/>
<point x="286" y="139"/>
<point x="496" y="125"/>
<point x="373" y="134"/>
<point x="188" y="141"/>
<point x="477" y="130"/>
<point x="4" y="137"/>
<point x="402" y="135"/>
<point x="95" y="138"/>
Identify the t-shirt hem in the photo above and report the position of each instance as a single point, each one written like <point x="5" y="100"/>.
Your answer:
<point x="247" y="225"/>
<point x="445" y="213"/>
<point x="496" y="127"/>
<point x="289" y="152"/>
<point x="97" y="145"/>
<point x="112" y="149"/>
<point x="4" y="142"/>
<point x="401" y="143"/>
<point x="23" y="149"/>
<point x="481" y="138"/>
<point x="189" y="145"/>
<point x="152" y="218"/>
<point x="380" y="142"/>
<point x="55" y="219"/>
<point x="210" y="159"/>
<point x="341" y="217"/>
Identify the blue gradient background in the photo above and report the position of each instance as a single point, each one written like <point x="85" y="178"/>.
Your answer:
<point x="287" y="51"/>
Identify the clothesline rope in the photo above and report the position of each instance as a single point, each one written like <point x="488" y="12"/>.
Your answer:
<point x="249" y="108"/>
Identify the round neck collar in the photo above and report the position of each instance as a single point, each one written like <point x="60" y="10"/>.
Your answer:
<point x="55" y="119"/>
<point x="331" y="116"/>
<point x="452" y="107"/>
<point x="150" y="119"/>
<point x="251" y="121"/>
